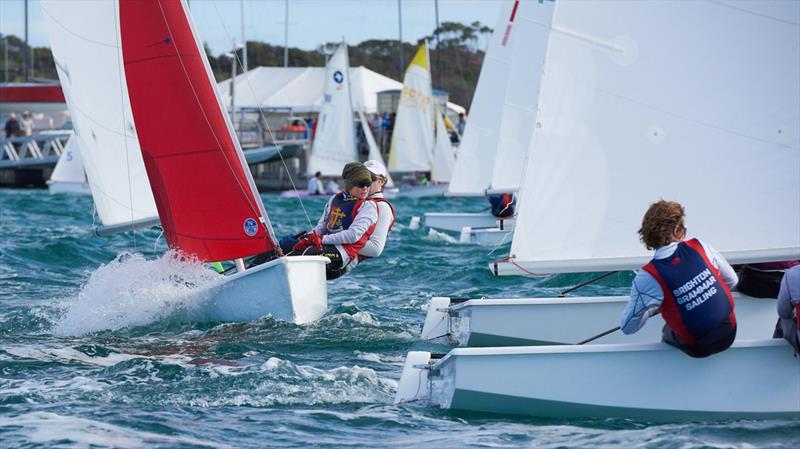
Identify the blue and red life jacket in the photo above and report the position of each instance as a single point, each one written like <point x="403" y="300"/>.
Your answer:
<point x="696" y="299"/>
<point x="341" y="214"/>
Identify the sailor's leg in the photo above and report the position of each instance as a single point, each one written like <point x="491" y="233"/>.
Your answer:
<point x="334" y="269"/>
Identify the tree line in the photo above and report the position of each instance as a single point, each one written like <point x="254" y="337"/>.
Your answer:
<point x="455" y="58"/>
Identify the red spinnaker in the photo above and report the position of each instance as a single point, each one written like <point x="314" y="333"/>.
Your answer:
<point x="202" y="191"/>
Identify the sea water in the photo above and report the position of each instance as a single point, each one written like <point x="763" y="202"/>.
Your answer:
<point x="90" y="357"/>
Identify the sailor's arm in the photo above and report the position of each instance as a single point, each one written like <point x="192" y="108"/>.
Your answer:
<point x="367" y="216"/>
<point x="646" y="297"/>
<point x="726" y="271"/>
<point x="377" y="241"/>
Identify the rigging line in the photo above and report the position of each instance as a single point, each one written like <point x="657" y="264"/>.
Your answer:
<point x="502" y="242"/>
<point x="121" y="69"/>
<point x="253" y="207"/>
<point x="584" y="284"/>
<point x="263" y="117"/>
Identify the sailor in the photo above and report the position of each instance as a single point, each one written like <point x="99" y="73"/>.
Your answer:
<point x="386" y="215"/>
<point x="346" y="224"/>
<point x="315" y="185"/>
<point x="501" y="204"/>
<point x="688" y="281"/>
<point x="789" y="308"/>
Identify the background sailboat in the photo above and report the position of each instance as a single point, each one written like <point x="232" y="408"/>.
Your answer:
<point x="334" y="140"/>
<point x="501" y="121"/>
<point x="413" y="138"/>
<point x="69" y="176"/>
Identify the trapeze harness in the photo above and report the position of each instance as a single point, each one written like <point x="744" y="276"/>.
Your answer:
<point x="698" y="305"/>
<point x="379" y="200"/>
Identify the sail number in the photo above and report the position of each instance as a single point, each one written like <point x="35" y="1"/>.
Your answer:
<point x="414" y="98"/>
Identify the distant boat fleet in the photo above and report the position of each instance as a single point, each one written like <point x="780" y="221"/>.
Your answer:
<point x="585" y="112"/>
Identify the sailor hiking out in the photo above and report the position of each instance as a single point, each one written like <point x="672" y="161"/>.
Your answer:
<point x="688" y="281"/>
<point x="345" y="227"/>
<point x="377" y="241"/>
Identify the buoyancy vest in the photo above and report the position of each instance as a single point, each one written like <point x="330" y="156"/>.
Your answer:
<point x="696" y="299"/>
<point x="341" y="214"/>
<point x="380" y="200"/>
<point x="384" y="200"/>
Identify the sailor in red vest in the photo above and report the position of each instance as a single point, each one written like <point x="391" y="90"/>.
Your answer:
<point x="377" y="241"/>
<point x="688" y="281"/>
<point x="346" y="224"/>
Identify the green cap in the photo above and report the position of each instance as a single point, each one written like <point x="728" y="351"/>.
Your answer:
<point x="354" y="172"/>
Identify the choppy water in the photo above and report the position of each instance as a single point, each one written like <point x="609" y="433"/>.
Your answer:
<point x="149" y="382"/>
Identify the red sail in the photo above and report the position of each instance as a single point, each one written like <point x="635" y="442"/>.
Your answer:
<point x="203" y="191"/>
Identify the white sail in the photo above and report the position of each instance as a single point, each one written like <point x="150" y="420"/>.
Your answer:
<point x="443" y="156"/>
<point x="374" y="152"/>
<point x="89" y="64"/>
<point x="69" y="167"/>
<point x="412" y="137"/>
<point x="500" y="115"/>
<point x="531" y="24"/>
<point x="633" y="109"/>
<point x="334" y="141"/>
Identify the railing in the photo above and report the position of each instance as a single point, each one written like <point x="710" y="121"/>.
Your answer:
<point x="38" y="149"/>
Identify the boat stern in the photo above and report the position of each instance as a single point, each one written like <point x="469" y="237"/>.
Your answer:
<point x="307" y="286"/>
<point x="413" y="385"/>
<point x="437" y="321"/>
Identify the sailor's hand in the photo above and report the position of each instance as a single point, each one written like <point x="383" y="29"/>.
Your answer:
<point x="312" y="239"/>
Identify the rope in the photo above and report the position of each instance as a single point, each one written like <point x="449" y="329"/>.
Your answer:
<point x="263" y="117"/>
<point x="512" y="262"/>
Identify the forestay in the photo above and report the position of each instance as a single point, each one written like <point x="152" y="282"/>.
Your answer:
<point x="412" y="138"/>
<point x="206" y="197"/>
<point x="86" y="47"/>
<point x="334" y="142"/>
<point x="633" y="109"/>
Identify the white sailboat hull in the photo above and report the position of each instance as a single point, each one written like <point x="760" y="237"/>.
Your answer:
<point x="422" y="191"/>
<point x="456" y="221"/>
<point x="55" y="187"/>
<point x="550" y="321"/>
<point x="651" y="381"/>
<point x="485" y="237"/>
<point x="288" y="288"/>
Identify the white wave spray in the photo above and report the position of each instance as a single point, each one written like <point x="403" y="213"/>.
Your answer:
<point x="131" y="291"/>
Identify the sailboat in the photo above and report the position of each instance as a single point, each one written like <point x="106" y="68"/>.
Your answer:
<point x="601" y="127"/>
<point x="334" y="142"/>
<point x="69" y="176"/>
<point x="500" y="125"/>
<point x="138" y="77"/>
<point x="413" y="139"/>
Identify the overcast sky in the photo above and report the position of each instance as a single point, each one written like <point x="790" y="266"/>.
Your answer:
<point x="311" y="22"/>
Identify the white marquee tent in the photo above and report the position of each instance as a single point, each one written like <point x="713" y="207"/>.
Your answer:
<point x="300" y="89"/>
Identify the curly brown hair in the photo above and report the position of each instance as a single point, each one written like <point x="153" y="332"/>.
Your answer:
<point x="660" y="222"/>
